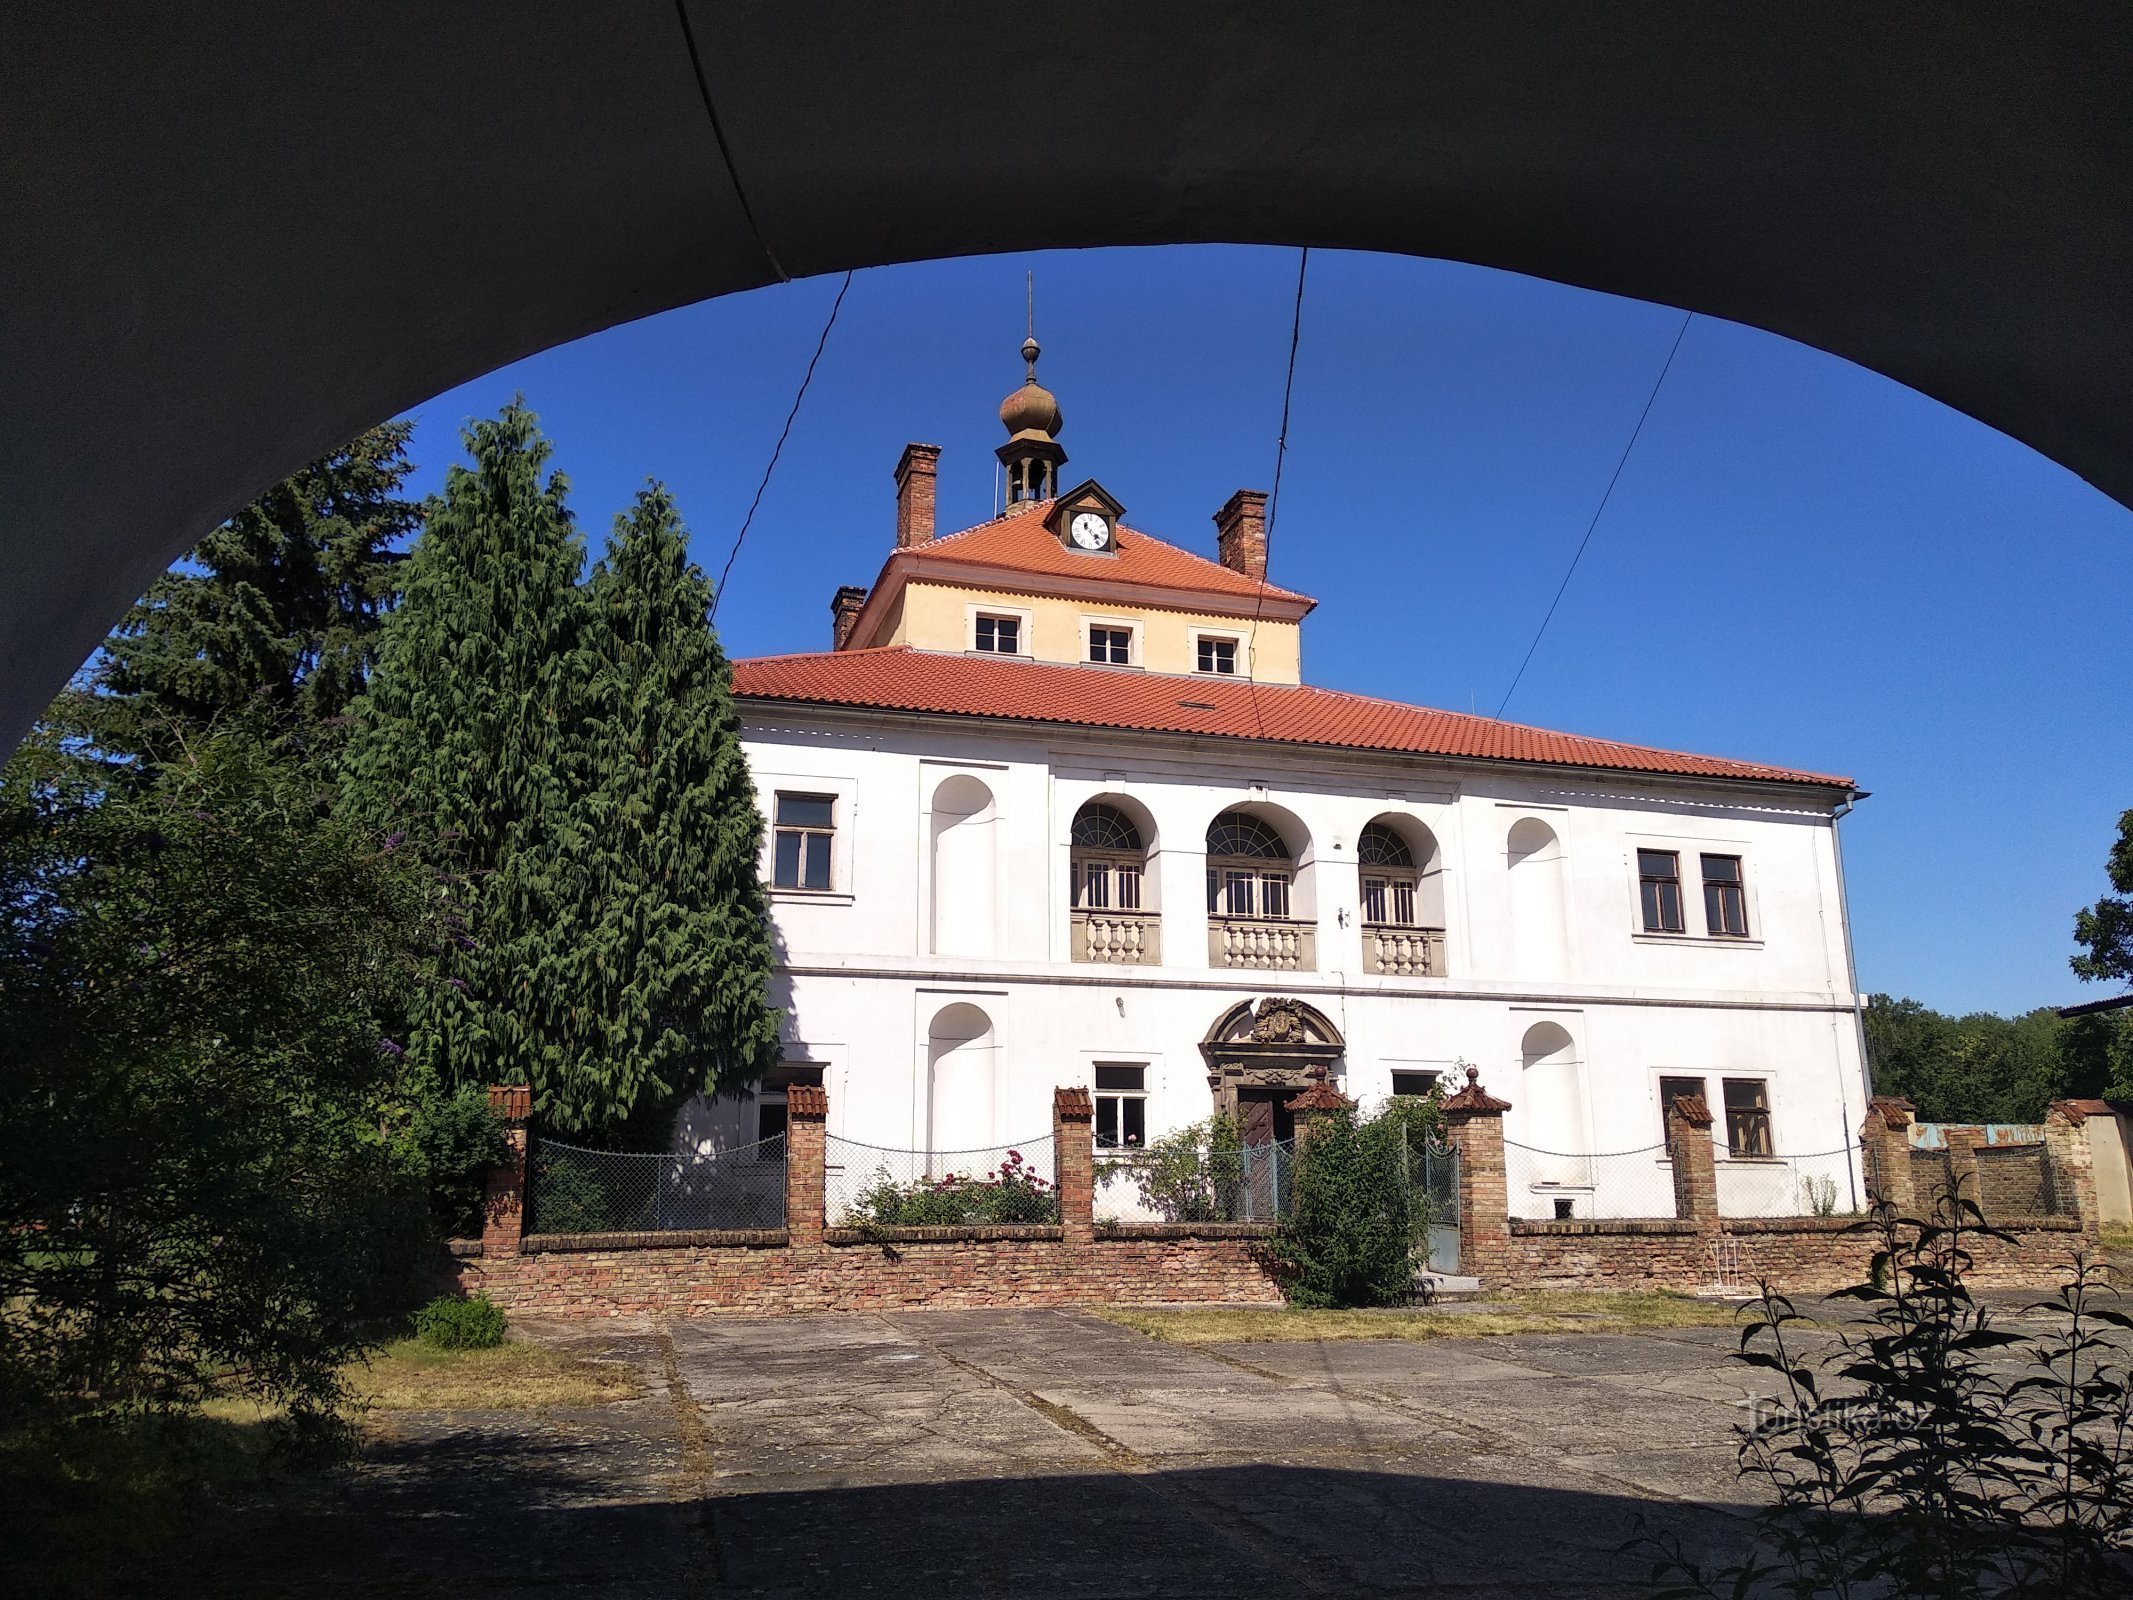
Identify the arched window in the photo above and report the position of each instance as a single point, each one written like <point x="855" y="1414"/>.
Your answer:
<point x="1389" y="877"/>
<point x="1109" y="859"/>
<point x="1249" y="868"/>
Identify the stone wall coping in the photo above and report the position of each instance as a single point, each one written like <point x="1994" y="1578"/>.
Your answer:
<point x="1184" y="1230"/>
<point x="462" y="1249"/>
<point x="1585" y="1227"/>
<point x="699" y="1238"/>
<point x="1577" y="1227"/>
<point x="961" y="1233"/>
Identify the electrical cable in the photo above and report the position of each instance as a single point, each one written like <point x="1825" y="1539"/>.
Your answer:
<point x="1273" y="499"/>
<point x="719" y="594"/>
<point x="1599" y="510"/>
<point x="725" y="151"/>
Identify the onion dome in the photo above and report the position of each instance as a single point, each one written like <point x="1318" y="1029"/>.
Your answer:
<point x="1031" y="409"/>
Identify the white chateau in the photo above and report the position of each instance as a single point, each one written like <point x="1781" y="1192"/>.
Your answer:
<point x="1059" y="808"/>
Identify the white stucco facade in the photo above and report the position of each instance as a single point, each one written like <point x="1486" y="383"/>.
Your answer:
<point x="934" y="984"/>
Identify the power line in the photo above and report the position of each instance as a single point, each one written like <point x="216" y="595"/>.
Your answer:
<point x="778" y="450"/>
<point x="718" y="133"/>
<point x="1273" y="499"/>
<point x="1598" y="510"/>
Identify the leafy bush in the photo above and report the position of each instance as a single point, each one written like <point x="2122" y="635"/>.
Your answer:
<point x="1016" y="1192"/>
<point x="1190" y="1175"/>
<point x="569" y="1197"/>
<point x="448" y="1323"/>
<point x="1915" y="1458"/>
<point x="1355" y="1225"/>
<point x="458" y="1136"/>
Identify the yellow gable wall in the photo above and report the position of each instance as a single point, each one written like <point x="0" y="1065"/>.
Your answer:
<point x="933" y="616"/>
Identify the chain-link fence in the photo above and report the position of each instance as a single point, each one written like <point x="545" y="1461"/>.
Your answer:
<point x="576" y="1190"/>
<point x="1825" y="1184"/>
<point x="869" y="1185"/>
<point x="1225" y="1183"/>
<point x="1547" y="1184"/>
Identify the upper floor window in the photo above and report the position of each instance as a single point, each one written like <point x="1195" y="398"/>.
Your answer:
<point x="1725" y="898"/>
<point x="1659" y="882"/>
<point x="804" y="836"/>
<point x="997" y="635"/>
<point x="1108" y="859"/>
<point x="1249" y="869"/>
<point x="1217" y="655"/>
<point x="1110" y="646"/>
<point x="1747" y="1117"/>
<point x="1388" y="872"/>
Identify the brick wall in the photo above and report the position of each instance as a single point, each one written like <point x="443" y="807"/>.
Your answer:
<point x="1800" y="1255"/>
<point x="941" y="1267"/>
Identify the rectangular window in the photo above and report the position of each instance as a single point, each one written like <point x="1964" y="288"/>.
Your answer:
<point x="1128" y="882"/>
<point x="770" y="1118"/>
<point x="1111" y="647"/>
<point x="1218" y="655"/>
<point x="1388" y="902"/>
<point x="1748" y="1117"/>
<point x="1237" y="897"/>
<point x="1659" y="878"/>
<point x="1672" y="1089"/>
<point x="1273" y="894"/>
<point x="1000" y="636"/>
<point x="1413" y="1083"/>
<point x="803" y="836"/>
<point x="1121" y="1107"/>
<point x="1725" y="899"/>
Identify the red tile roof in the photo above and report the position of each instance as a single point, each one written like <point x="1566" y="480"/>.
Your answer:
<point x="896" y="678"/>
<point x="1020" y="543"/>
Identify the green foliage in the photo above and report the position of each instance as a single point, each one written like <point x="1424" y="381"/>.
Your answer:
<point x="461" y="746"/>
<point x="199" y="1194"/>
<point x="1192" y="1174"/>
<point x="450" y="1323"/>
<point x="1985" y="1068"/>
<point x="1015" y="1192"/>
<point x="279" y="608"/>
<point x="671" y="959"/>
<point x="1353" y="1229"/>
<point x="457" y="1136"/>
<point x="1931" y="1451"/>
<point x="2105" y="929"/>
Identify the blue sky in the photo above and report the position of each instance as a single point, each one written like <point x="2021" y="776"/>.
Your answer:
<point x="1803" y="563"/>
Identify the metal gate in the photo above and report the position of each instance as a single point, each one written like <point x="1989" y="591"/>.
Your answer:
<point x="1440" y="1195"/>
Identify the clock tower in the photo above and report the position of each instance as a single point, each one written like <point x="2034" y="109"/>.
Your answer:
<point x="1031" y="455"/>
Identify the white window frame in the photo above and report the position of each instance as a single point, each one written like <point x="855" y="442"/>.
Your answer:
<point x="1241" y="641"/>
<point x="1142" y="1094"/>
<point x="844" y="819"/>
<point x="1125" y="625"/>
<point x="1025" y="622"/>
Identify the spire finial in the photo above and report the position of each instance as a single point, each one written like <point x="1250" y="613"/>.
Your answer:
<point x="1030" y="348"/>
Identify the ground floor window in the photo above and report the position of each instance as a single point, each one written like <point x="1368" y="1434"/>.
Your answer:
<point x="1121" y="1106"/>
<point x="770" y="1112"/>
<point x="1748" y="1117"/>
<point x="1670" y="1090"/>
<point x="1413" y="1083"/>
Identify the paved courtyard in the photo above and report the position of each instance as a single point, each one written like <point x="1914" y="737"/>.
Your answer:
<point x="1033" y="1453"/>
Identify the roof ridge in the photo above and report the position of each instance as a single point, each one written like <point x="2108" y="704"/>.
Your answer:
<point x="1039" y="509"/>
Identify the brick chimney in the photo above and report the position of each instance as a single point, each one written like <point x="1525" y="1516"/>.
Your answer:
<point x="915" y="473"/>
<point x="1240" y="533"/>
<point x="845" y="606"/>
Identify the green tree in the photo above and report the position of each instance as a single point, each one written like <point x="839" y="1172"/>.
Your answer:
<point x="464" y="745"/>
<point x="1988" y="1068"/>
<point x="2105" y="929"/>
<point x="200" y="1187"/>
<point x="1355" y="1226"/>
<point x="281" y="605"/>
<point x="671" y="960"/>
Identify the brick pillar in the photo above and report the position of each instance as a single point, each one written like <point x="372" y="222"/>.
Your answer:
<point x="1963" y="1171"/>
<point x="1473" y="1121"/>
<point x="1319" y="1101"/>
<point x="1074" y="1150"/>
<point x="1885" y="1137"/>
<point x="503" y="1188"/>
<point x="806" y="1106"/>
<point x="2073" y="1162"/>
<point x="1688" y="1148"/>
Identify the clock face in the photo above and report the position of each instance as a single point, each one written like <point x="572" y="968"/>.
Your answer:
<point x="1089" y="530"/>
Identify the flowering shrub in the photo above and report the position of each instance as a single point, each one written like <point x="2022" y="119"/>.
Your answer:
<point x="1014" y="1192"/>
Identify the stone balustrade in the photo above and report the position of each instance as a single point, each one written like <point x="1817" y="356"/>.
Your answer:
<point x="1396" y="952"/>
<point x="1123" y="938"/>
<point x="1262" y="944"/>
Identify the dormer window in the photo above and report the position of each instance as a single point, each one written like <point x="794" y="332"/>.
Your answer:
<point x="1217" y="655"/>
<point x="999" y="636"/>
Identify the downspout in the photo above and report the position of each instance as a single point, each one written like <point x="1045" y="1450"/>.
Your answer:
<point x="1851" y="966"/>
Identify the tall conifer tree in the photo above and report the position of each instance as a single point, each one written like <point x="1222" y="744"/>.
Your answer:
<point x="673" y="960"/>
<point x="277" y="609"/>
<point x="464" y="742"/>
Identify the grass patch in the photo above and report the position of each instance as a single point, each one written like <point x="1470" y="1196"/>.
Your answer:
<point x="514" y="1376"/>
<point x="1536" y="1312"/>
<point x="2117" y="1238"/>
